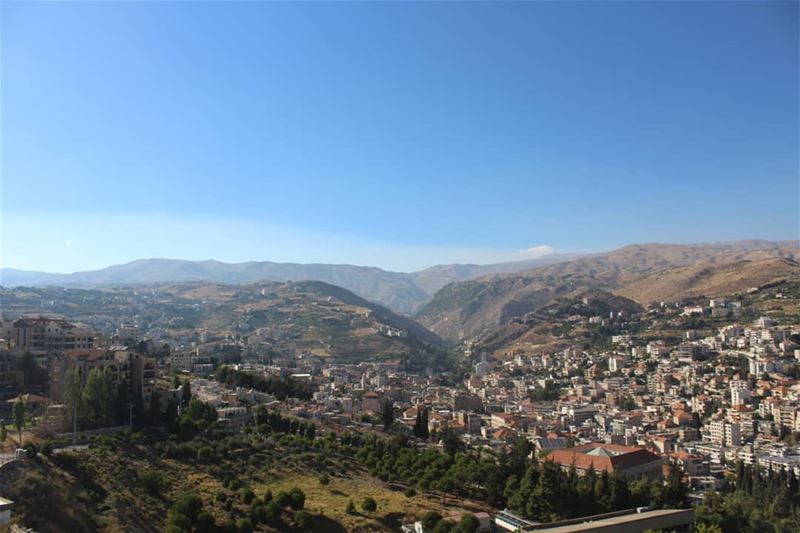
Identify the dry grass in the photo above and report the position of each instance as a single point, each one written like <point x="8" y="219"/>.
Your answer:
<point x="394" y="508"/>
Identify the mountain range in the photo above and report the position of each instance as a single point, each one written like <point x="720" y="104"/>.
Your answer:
<point x="458" y="302"/>
<point x="642" y="273"/>
<point x="402" y="292"/>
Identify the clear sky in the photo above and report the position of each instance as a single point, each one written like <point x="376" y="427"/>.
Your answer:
<point x="392" y="134"/>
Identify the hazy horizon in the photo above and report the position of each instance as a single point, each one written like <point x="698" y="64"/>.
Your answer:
<point x="519" y="256"/>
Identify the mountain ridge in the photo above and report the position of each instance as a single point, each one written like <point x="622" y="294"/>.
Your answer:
<point x="400" y="291"/>
<point x="642" y="273"/>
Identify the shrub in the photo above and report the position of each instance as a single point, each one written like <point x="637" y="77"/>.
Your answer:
<point x="244" y="525"/>
<point x="283" y="499"/>
<point x="410" y="492"/>
<point x="272" y="512"/>
<point x="188" y="505"/>
<point x="179" y="522"/>
<point x="248" y="495"/>
<point x="369" y="505"/>
<point x="324" y="479"/>
<point x="351" y="508"/>
<point x="444" y="526"/>
<point x="205" y="523"/>
<point x="298" y="498"/>
<point x="302" y="520"/>
<point x="152" y="481"/>
<point x="66" y="460"/>
<point x="205" y="454"/>
<point x="469" y="524"/>
<point x="430" y="519"/>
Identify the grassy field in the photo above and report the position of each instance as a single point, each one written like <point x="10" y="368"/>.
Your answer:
<point x="328" y="503"/>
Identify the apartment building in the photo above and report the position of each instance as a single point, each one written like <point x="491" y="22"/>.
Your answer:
<point x="44" y="335"/>
<point x="725" y="433"/>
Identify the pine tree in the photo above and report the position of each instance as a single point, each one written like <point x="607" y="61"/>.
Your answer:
<point x="418" y="424"/>
<point x="387" y="415"/>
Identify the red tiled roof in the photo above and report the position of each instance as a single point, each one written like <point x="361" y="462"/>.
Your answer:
<point x="627" y="457"/>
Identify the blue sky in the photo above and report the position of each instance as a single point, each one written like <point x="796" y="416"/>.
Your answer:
<point x="393" y="134"/>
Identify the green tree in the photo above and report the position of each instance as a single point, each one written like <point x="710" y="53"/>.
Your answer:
<point x="444" y="526"/>
<point x="186" y="393"/>
<point x="205" y="523"/>
<point x="451" y="442"/>
<point x="387" y="415"/>
<point x="421" y="424"/>
<point x="675" y="489"/>
<point x="19" y="417"/>
<point x="273" y="512"/>
<point x="98" y="398"/>
<point x="188" y="505"/>
<point x="430" y="519"/>
<point x="152" y="481"/>
<point x="369" y="504"/>
<point x="298" y="498"/>
<point x="72" y="399"/>
<point x="3" y="432"/>
<point x="302" y="520"/>
<point x="468" y="524"/>
<point x="244" y="525"/>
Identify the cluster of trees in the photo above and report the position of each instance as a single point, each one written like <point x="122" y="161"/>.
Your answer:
<point x="281" y="388"/>
<point x="187" y="513"/>
<point x="539" y="490"/>
<point x="757" y="501"/>
<point x="99" y="402"/>
<point x="196" y="417"/>
<point x="546" y="492"/>
<point x="272" y="421"/>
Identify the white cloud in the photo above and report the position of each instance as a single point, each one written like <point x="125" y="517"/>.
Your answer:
<point x="540" y="250"/>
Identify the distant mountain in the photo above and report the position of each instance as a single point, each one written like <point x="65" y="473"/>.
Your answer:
<point x="401" y="292"/>
<point x="643" y="273"/>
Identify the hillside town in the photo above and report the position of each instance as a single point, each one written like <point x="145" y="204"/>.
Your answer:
<point x="721" y="389"/>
